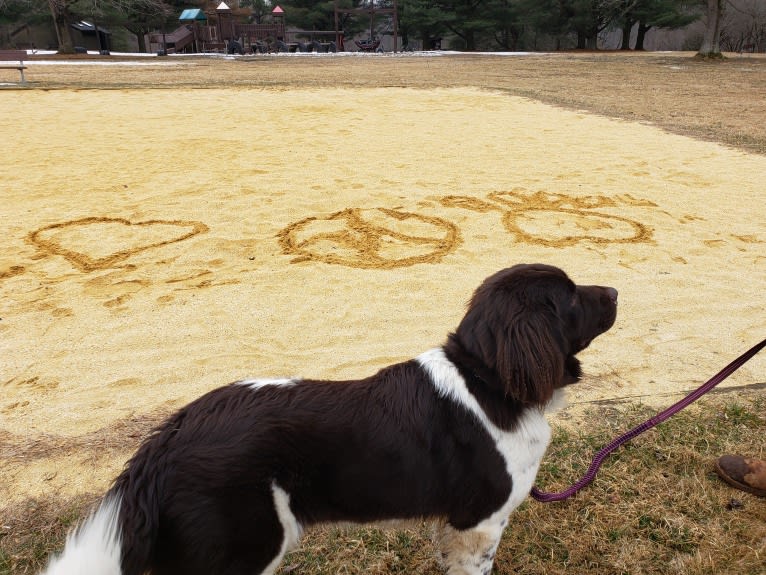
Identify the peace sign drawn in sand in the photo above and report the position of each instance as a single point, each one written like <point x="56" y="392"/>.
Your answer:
<point x="379" y="238"/>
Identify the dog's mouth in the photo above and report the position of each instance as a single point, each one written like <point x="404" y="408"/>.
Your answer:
<point x="583" y="344"/>
<point x="572" y="370"/>
<point x="601" y="302"/>
<point x="612" y="294"/>
<point x="609" y="299"/>
<point x="607" y="316"/>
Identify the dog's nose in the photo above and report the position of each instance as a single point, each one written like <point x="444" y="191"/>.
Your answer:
<point x="612" y="293"/>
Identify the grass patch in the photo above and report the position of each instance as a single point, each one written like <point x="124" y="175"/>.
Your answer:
<point x="32" y="530"/>
<point x="656" y="507"/>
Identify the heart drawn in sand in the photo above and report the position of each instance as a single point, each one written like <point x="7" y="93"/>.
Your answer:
<point x="99" y="242"/>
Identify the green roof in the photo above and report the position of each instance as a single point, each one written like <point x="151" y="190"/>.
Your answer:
<point x="192" y="14"/>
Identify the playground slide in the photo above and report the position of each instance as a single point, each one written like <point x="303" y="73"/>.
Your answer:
<point x="179" y="38"/>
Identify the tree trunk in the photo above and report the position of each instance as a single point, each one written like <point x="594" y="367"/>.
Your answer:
<point x="61" y="23"/>
<point x="641" y="34"/>
<point x="140" y="32"/>
<point x="626" y="28"/>
<point x="711" y="47"/>
<point x="141" y="39"/>
<point x="470" y="41"/>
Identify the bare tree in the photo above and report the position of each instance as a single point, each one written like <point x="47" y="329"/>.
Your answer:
<point x="61" y="21"/>
<point x="744" y="26"/>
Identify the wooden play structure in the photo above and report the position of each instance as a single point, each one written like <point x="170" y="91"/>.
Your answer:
<point x="217" y="30"/>
<point x="221" y="30"/>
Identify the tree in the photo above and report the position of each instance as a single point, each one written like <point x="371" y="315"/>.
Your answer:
<point x="310" y="14"/>
<point x="585" y="19"/>
<point x="259" y="9"/>
<point x="13" y="12"/>
<point x="462" y="18"/>
<point x="744" y="26"/>
<point x="548" y="17"/>
<point x="585" y="23"/>
<point x="138" y="16"/>
<point x="472" y="21"/>
<point x="141" y="17"/>
<point x="508" y="25"/>
<point x="61" y="21"/>
<point x="711" y="40"/>
<point x="591" y="17"/>
<point x="628" y="20"/>
<point x="669" y="14"/>
<point x="420" y="19"/>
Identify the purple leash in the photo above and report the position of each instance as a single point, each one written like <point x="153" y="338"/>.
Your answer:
<point x="657" y="419"/>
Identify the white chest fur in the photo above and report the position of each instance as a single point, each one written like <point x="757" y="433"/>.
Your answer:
<point x="472" y="551"/>
<point x="522" y="449"/>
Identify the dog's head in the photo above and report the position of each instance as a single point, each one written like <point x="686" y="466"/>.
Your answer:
<point x="526" y="323"/>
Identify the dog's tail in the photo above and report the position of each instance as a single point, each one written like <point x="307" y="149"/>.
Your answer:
<point x="95" y="546"/>
<point x="120" y="535"/>
<point x="117" y="538"/>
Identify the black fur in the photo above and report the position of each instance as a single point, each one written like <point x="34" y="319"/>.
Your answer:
<point x="517" y="343"/>
<point x="196" y="497"/>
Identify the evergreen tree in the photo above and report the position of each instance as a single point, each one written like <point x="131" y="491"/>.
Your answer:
<point x="509" y="28"/>
<point x="13" y="12"/>
<point x="259" y="9"/>
<point x="669" y="14"/>
<point x="466" y="19"/>
<point x="548" y="17"/>
<point x="420" y="19"/>
<point x="313" y="15"/>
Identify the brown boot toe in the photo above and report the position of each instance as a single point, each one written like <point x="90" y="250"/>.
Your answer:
<point x="743" y="473"/>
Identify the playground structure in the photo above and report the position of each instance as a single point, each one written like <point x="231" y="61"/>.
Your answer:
<point x="219" y="30"/>
<point x="372" y="43"/>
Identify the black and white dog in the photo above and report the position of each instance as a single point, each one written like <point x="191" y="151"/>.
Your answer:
<point x="227" y="485"/>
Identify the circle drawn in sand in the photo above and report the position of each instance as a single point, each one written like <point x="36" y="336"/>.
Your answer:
<point x="374" y="238"/>
<point x="557" y="220"/>
<point x="99" y="242"/>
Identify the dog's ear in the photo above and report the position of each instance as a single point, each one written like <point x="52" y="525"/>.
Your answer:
<point x="520" y="349"/>
<point x="513" y="327"/>
<point x="529" y="360"/>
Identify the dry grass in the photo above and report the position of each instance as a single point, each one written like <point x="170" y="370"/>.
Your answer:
<point x="656" y="507"/>
<point x="716" y="100"/>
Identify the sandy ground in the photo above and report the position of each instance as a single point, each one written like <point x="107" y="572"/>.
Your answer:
<point x="159" y="243"/>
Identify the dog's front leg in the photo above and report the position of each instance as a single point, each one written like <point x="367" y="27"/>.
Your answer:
<point x="470" y="551"/>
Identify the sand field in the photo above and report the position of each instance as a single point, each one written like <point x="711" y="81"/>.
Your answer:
<point x="157" y="243"/>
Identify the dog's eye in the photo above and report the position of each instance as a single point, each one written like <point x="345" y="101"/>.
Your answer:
<point x="574" y="300"/>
